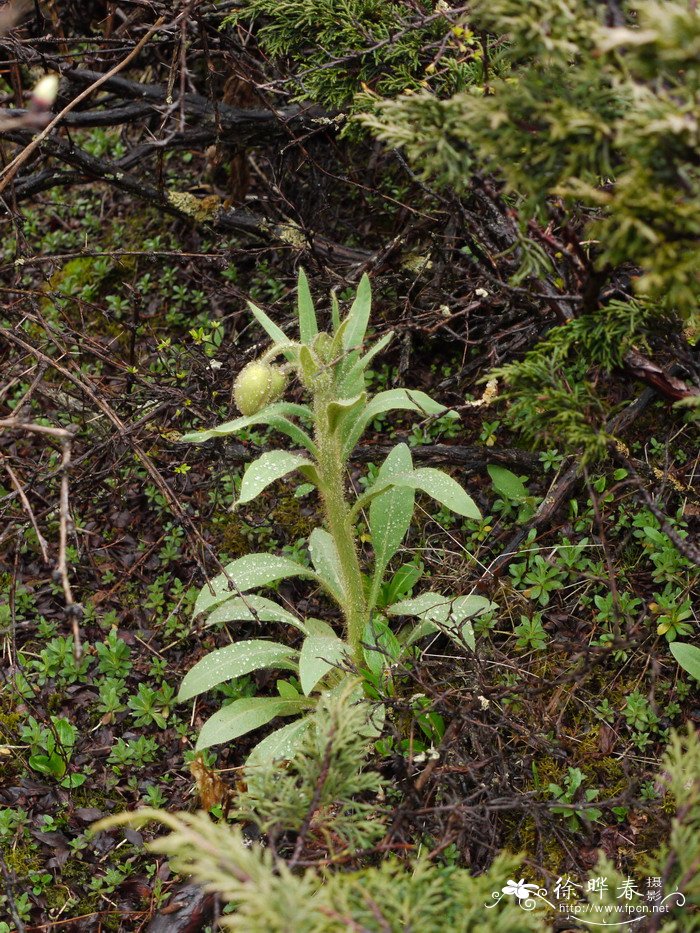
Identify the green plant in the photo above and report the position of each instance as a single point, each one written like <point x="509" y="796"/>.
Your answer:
<point x="379" y="46"/>
<point x="113" y="656"/>
<point x="331" y="368"/>
<point x="149" y="705"/>
<point x="135" y="752"/>
<point x="675" y="617"/>
<point x="531" y="633"/>
<point x="326" y="795"/>
<point x="575" y="801"/>
<point x="51" y="748"/>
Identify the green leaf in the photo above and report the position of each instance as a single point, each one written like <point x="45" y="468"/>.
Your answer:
<point x="360" y="365"/>
<point x="344" y="410"/>
<point x="444" y="490"/>
<point x="507" y="484"/>
<point x="318" y="655"/>
<point x="688" y="656"/>
<point x="381" y="646"/>
<point x="402" y="582"/>
<point x="71" y="781"/>
<point x="243" y="716"/>
<point x="442" y="613"/>
<point x="280" y="745"/>
<point x="392" y="399"/>
<point x="274" y="415"/>
<point x="286" y="690"/>
<point x="42" y="763"/>
<point x="268" y="325"/>
<point x="248" y="573"/>
<point x="234" y="661"/>
<point x="252" y="608"/>
<point x="308" y="327"/>
<point x="318" y="627"/>
<point x="358" y="316"/>
<point x="435" y="483"/>
<point x="324" y="557"/>
<point x="267" y="469"/>
<point x="390" y="515"/>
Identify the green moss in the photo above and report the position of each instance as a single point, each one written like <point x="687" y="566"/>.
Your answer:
<point x="524" y="836"/>
<point x="289" y="523"/>
<point x="288" y="515"/>
<point x="10" y="721"/>
<point x="21" y="857"/>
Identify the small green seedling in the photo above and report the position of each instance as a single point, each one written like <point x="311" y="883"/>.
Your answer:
<point x="52" y="748"/>
<point x="332" y="369"/>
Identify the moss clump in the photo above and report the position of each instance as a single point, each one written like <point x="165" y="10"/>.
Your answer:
<point x="523" y="835"/>
<point x="21" y="857"/>
<point x="289" y="522"/>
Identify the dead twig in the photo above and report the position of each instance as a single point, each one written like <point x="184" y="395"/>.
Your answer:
<point x="73" y="609"/>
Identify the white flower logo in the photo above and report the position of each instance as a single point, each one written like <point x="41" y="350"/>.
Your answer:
<point x="521" y="890"/>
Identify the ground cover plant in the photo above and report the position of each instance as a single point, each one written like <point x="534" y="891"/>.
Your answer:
<point x="376" y="610"/>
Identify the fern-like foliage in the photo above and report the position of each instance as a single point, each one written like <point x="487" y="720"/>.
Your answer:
<point x="324" y="784"/>
<point x="267" y="897"/>
<point x="339" y="49"/>
<point x="593" y="114"/>
<point x="551" y="391"/>
<point x="593" y="125"/>
<point x="677" y="858"/>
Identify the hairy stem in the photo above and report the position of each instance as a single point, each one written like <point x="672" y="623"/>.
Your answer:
<point x="331" y="469"/>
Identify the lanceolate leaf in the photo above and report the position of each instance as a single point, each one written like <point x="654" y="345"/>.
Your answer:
<point x="318" y="655"/>
<point x="248" y="573"/>
<point x="234" y="661"/>
<point x="324" y="557"/>
<point x="275" y="415"/>
<point x="444" y="490"/>
<point x="392" y="399"/>
<point x="266" y="469"/>
<point x="438" y="608"/>
<point x="252" y="608"/>
<point x="688" y="656"/>
<point x="356" y="370"/>
<point x="243" y="716"/>
<point x="390" y="515"/>
<point x="280" y="745"/>
<point x="435" y="483"/>
<point x="442" y="613"/>
<point x="358" y="316"/>
<point x="308" y="328"/>
<point x="277" y="334"/>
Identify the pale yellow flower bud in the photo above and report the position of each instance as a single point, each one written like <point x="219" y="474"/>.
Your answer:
<point x="257" y="385"/>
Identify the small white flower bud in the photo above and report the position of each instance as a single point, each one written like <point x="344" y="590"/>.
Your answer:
<point x="45" y="92"/>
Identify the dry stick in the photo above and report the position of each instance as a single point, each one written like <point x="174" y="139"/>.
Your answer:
<point x="13" y="167"/>
<point x="73" y="609"/>
<point x="9" y="893"/>
<point x="28" y="509"/>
